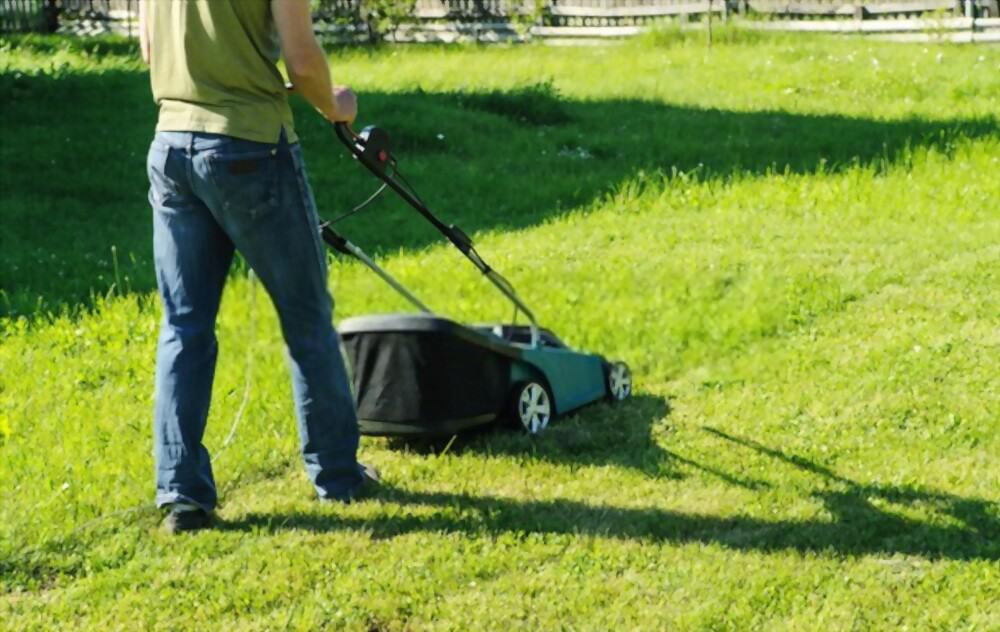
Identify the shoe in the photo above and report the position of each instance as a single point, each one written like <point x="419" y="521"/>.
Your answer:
<point x="370" y="483"/>
<point x="184" y="517"/>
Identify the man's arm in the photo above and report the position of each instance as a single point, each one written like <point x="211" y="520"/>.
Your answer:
<point x="306" y="62"/>
<point x="144" y="30"/>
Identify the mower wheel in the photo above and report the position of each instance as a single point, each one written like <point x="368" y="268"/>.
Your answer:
<point x="619" y="381"/>
<point x="532" y="406"/>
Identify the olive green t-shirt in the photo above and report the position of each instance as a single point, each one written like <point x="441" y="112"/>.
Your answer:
<point x="213" y="68"/>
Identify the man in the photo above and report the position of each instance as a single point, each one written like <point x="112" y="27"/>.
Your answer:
<point x="226" y="173"/>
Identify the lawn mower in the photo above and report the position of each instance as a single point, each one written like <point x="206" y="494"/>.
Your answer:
<point x="422" y="375"/>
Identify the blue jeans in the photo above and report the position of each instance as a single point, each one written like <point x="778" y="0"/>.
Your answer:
<point x="212" y="195"/>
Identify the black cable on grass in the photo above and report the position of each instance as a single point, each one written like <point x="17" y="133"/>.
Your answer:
<point x="248" y="373"/>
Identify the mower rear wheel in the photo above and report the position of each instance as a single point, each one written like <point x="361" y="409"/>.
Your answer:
<point x="532" y="406"/>
<point x="619" y="381"/>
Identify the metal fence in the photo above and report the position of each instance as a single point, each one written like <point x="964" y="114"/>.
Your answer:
<point x="551" y="11"/>
<point x="25" y="15"/>
<point x="51" y="15"/>
<point x="449" y="20"/>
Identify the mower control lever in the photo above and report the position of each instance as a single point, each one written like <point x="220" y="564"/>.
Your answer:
<point x="375" y="143"/>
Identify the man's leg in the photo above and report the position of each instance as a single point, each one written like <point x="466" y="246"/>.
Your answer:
<point x="192" y="256"/>
<point x="263" y="200"/>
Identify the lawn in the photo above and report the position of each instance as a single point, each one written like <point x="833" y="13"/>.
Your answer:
<point x="794" y="242"/>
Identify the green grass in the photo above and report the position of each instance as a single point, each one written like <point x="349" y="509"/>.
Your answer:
<point x="794" y="242"/>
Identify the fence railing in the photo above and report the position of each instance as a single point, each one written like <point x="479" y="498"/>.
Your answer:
<point x="486" y="20"/>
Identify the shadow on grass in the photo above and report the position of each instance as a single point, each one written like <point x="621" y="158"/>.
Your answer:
<point x="483" y="160"/>
<point x="852" y="504"/>
<point x="858" y="526"/>
<point x="601" y="434"/>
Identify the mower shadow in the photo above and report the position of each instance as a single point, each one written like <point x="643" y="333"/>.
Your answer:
<point x="858" y="526"/>
<point x="485" y="161"/>
<point x="600" y="434"/>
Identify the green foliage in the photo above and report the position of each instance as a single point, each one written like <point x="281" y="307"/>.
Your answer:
<point x="794" y="247"/>
<point x="384" y="16"/>
<point x="526" y="14"/>
<point x="380" y="17"/>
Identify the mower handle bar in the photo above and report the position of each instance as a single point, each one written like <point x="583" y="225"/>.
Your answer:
<point x="336" y="241"/>
<point x="455" y="235"/>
